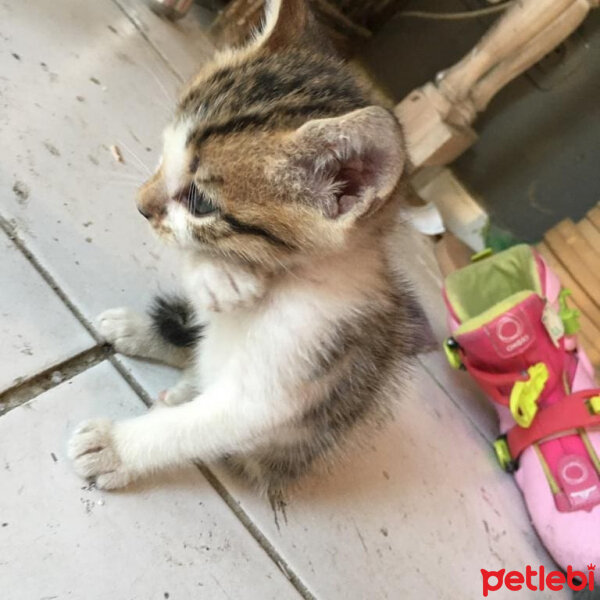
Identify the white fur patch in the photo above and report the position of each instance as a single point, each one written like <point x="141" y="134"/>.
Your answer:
<point x="177" y="220"/>
<point x="270" y="19"/>
<point x="175" y="155"/>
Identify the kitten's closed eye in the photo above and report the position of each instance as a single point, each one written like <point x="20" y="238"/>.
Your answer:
<point x="196" y="201"/>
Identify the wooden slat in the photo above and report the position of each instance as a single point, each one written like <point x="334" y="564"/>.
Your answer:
<point x="587" y="253"/>
<point x="577" y="256"/>
<point x="580" y="297"/>
<point x="591" y="352"/>
<point x="590" y="325"/>
<point x="592" y="236"/>
<point x="594" y="216"/>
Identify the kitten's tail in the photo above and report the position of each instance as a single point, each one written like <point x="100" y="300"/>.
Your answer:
<point x="174" y="319"/>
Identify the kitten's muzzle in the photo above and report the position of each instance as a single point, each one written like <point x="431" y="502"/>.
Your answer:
<point x="151" y="202"/>
<point x="145" y="213"/>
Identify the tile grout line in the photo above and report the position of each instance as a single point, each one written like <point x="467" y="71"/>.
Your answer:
<point x="477" y="429"/>
<point x="29" y="388"/>
<point x="441" y="386"/>
<point x="141" y="31"/>
<point x="260" y="538"/>
<point x="12" y="232"/>
<point x="100" y="352"/>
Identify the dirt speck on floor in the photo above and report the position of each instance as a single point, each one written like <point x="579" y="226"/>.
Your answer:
<point x="123" y="57"/>
<point x="94" y="80"/>
<point x="53" y="457"/>
<point x="80" y="98"/>
<point x="16" y="56"/>
<point x="51" y="148"/>
<point x="116" y="153"/>
<point x="89" y="504"/>
<point x="21" y="191"/>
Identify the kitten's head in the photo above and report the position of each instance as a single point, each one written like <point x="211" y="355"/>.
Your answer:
<point x="275" y="150"/>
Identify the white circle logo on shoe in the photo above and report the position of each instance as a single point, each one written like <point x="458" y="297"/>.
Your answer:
<point x="511" y="334"/>
<point x="509" y="328"/>
<point x="574" y="471"/>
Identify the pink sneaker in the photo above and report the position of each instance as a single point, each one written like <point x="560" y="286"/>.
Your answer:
<point x="514" y="334"/>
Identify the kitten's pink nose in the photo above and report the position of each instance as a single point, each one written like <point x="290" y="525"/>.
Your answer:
<point x="152" y="199"/>
<point x="146" y="214"/>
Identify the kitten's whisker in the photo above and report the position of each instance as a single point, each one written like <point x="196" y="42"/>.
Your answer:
<point x="170" y="98"/>
<point x="120" y="177"/>
<point x="137" y="158"/>
<point x="118" y="174"/>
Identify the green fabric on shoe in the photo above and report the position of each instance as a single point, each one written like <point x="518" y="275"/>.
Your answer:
<point x="491" y="313"/>
<point x="481" y="286"/>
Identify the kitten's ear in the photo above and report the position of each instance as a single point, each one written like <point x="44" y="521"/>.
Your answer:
<point x="285" y="22"/>
<point x="351" y="163"/>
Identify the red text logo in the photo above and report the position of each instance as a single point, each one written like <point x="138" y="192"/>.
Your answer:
<point x="537" y="580"/>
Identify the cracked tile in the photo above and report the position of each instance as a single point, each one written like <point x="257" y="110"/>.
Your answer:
<point x="38" y="331"/>
<point x="172" y="537"/>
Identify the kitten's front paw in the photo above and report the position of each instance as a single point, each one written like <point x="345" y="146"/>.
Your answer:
<point x="92" y="450"/>
<point x="176" y="395"/>
<point x="127" y="331"/>
<point x="220" y="287"/>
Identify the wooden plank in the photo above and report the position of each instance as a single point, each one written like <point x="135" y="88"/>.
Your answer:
<point x="575" y="240"/>
<point x="594" y="216"/>
<point x="591" y="235"/>
<point x="580" y="296"/>
<point x="589" y="335"/>
<point x="591" y="352"/>
<point x="577" y="256"/>
<point x="529" y="54"/>
<point x="430" y="140"/>
<point x="590" y="328"/>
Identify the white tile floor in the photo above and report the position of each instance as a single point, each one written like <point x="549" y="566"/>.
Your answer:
<point x="33" y="340"/>
<point x="417" y="516"/>
<point x="172" y="535"/>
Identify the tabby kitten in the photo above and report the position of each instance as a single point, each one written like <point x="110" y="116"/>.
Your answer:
<point x="279" y="182"/>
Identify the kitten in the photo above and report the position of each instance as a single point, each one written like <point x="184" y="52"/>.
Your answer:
<point x="279" y="182"/>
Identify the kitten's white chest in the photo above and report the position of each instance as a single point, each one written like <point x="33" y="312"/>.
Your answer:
<point x="223" y="351"/>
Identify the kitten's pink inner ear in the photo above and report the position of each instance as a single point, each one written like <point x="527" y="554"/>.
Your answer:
<point x="354" y="161"/>
<point x="346" y="204"/>
<point x="352" y="178"/>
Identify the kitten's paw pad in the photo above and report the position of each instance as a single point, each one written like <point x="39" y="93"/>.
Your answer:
<point x="126" y="330"/>
<point x="94" y="456"/>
